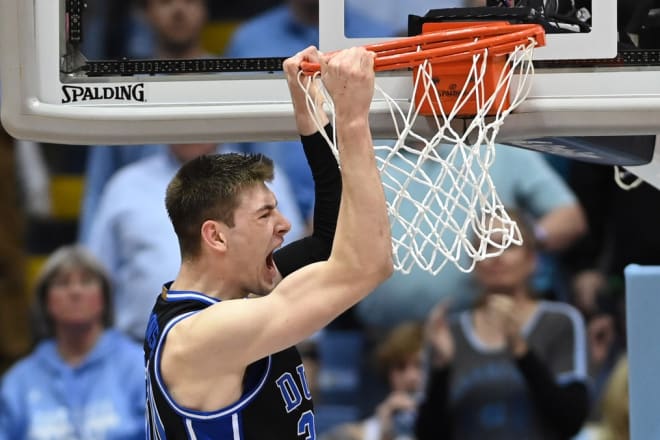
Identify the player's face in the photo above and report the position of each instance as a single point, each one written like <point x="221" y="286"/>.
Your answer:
<point x="506" y="272"/>
<point x="259" y="229"/>
<point x="75" y="298"/>
<point x="178" y="23"/>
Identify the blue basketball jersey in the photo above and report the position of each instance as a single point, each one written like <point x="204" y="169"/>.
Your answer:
<point x="276" y="403"/>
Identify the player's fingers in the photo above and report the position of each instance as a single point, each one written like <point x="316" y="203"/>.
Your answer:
<point x="367" y="60"/>
<point x="291" y="65"/>
<point x="324" y="59"/>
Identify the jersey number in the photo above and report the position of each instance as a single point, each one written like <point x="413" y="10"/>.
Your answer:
<point x="306" y="425"/>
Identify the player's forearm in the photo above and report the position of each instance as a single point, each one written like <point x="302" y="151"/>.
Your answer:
<point x="363" y="238"/>
<point x="304" y="122"/>
<point x="327" y="195"/>
<point x="327" y="184"/>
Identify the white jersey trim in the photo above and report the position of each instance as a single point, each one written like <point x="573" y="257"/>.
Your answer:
<point x="190" y="430"/>
<point x="236" y="429"/>
<point x="156" y="431"/>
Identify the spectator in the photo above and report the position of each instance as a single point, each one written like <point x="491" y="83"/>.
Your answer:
<point x="131" y="230"/>
<point x="283" y="31"/>
<point x="83" y="380"/>
<point x="534" y="189"/>
<point x="512" y="367"/>
<point x="177" y="27"/>
<point x="614" y="423"/>
<point x="615" y="238"/>
<point x="399" y="359"/>
<point x="102" y="162"/>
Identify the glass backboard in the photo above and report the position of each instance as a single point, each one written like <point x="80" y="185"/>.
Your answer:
<point x="55" y="89"/>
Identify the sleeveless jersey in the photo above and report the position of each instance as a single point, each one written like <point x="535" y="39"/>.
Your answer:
<point x="276" y="403"/>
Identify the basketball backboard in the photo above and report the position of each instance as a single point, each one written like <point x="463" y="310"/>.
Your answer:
<point x="47" y="96"/>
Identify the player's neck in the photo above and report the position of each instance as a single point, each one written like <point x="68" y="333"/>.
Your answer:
<point x="213" y="282"/>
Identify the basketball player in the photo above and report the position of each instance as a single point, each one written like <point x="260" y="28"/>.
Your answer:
<point x="221" y="365"/>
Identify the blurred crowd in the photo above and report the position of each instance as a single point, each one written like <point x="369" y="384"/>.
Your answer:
<point x="529" y="345"/>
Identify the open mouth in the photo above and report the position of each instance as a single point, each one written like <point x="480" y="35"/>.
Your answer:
<point x="270" y="263"/>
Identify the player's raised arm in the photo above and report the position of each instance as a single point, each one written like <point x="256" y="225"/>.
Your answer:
<point x="361" y="254"/>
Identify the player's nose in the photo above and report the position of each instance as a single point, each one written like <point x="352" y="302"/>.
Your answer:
<point x="283" y="224"/>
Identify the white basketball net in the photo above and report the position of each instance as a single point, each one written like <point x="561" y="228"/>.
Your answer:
<point x="442" y="203"/>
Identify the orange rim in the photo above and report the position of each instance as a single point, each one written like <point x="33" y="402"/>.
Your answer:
<point x="448" y="45"/>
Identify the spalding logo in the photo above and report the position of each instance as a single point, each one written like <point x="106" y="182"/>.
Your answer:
<point x="129" y="92"/>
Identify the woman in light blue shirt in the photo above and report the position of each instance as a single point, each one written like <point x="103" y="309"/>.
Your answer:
<point x="83" y="381"/>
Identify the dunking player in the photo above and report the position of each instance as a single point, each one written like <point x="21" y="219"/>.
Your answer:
<point x="221" y="365"/>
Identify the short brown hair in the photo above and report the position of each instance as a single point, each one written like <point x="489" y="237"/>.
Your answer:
<point x="208" y="188"/>
<point x="402" y="342"/>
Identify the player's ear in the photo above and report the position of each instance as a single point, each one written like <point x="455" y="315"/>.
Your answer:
<point x="214" y="235"/>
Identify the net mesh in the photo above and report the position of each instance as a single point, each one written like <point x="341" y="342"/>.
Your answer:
<point x="442" y="203"/>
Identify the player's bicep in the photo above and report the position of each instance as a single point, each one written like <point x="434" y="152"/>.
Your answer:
<point x="232" y="334"/>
